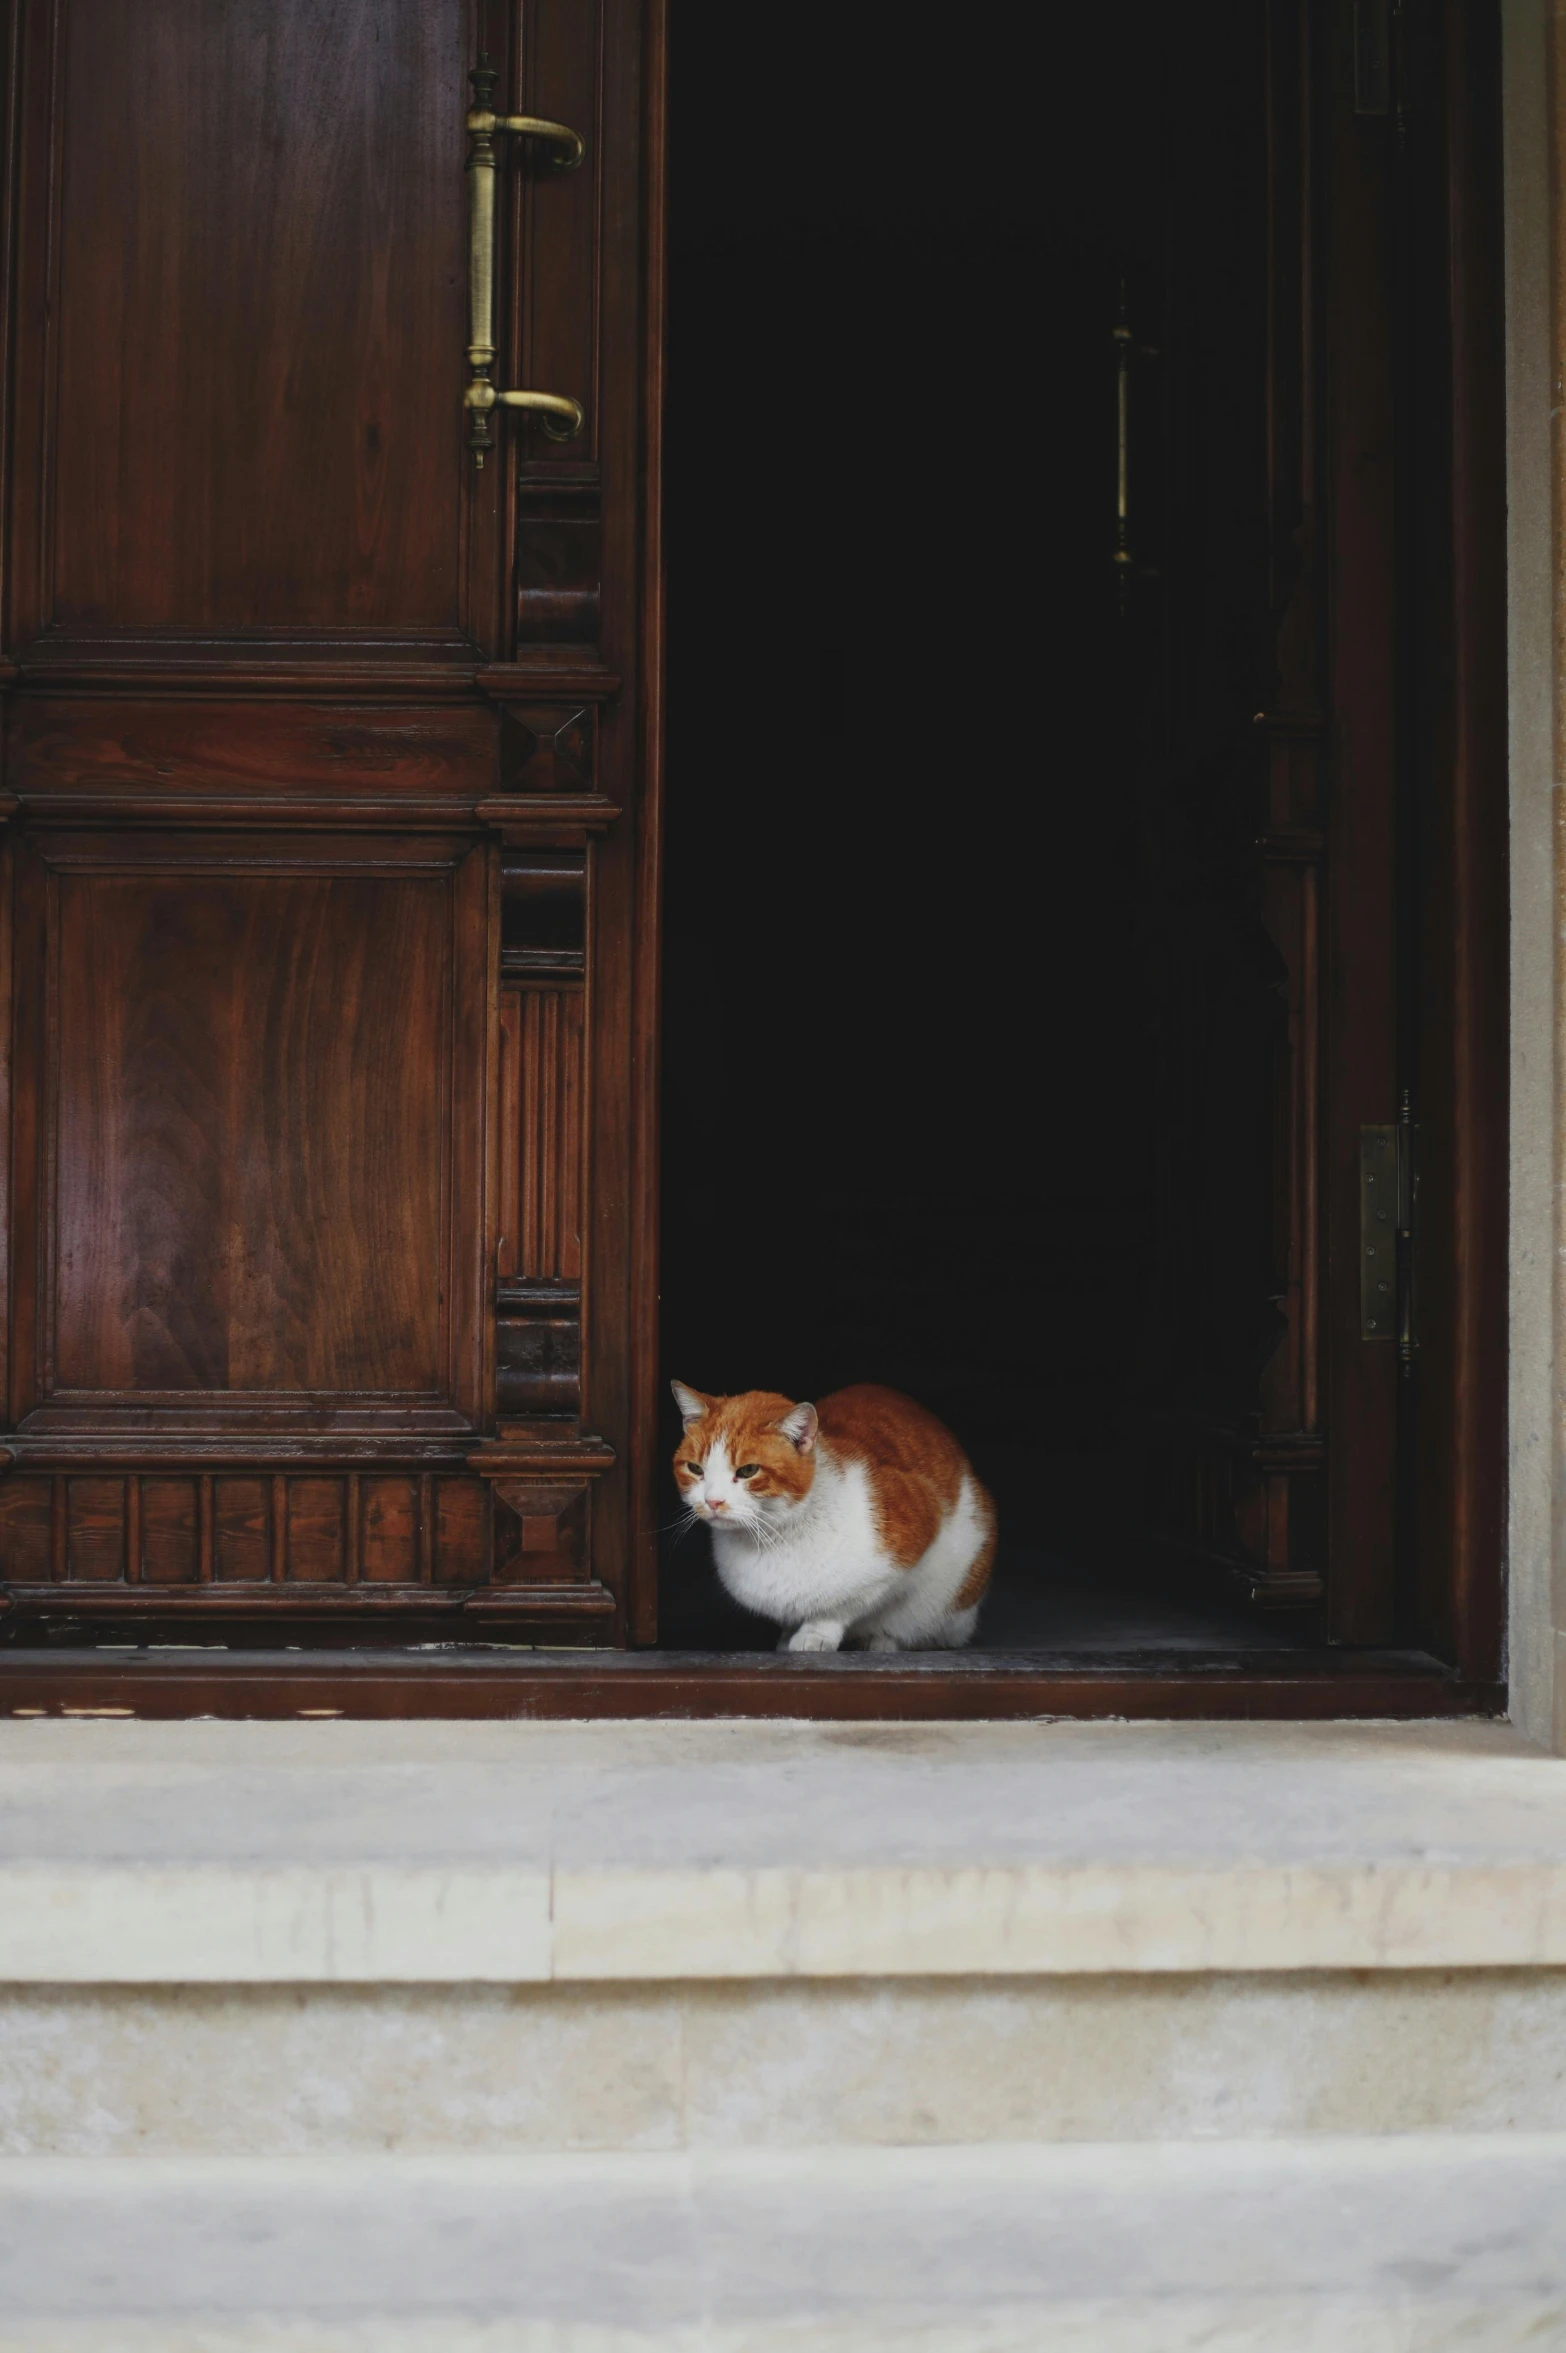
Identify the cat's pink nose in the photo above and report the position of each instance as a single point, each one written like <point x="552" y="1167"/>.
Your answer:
<point x="716" y="1503"/>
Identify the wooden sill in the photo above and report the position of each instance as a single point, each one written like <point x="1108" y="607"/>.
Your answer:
<point x="1317" y="1684"/>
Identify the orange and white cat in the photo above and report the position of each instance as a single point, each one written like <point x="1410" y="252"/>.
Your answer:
<point x="858" y="1520"/>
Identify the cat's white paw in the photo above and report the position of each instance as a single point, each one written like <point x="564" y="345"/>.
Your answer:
<point x="881" y="1640"/>
<point x="817" y="1634"/>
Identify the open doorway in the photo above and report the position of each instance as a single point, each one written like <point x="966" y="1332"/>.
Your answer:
<point x="1086" y="966"/>
<point x="1043" y="909"/>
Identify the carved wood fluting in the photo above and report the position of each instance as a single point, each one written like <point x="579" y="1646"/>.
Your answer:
<point x="549" y="1208"/>
<point x="543" y="1069"/>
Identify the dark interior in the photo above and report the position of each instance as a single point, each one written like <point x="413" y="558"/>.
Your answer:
<point x="967" y="1014"/>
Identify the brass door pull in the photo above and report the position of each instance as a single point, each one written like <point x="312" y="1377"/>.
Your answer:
<point x="562" y="417"/>
<point x="1127" y="349"/>
<point x="529" y="126"/>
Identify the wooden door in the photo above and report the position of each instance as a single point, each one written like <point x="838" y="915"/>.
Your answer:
<point x="327" y="825"/>
<point x="1342" y="1451"/>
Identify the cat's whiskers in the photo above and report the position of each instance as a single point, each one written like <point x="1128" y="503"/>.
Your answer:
<point x="767" y="1538"/>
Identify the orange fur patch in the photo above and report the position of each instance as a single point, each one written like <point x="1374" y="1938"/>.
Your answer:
<point x="915" y="1464"/>
<point x="748" y="1427"/>
<point x="977" y="1582"/>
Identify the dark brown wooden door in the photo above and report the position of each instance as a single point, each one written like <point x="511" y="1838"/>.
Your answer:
<point x="327" y="856"/>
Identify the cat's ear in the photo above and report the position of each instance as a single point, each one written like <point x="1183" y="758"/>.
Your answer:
<point x="799" y="1426"/>
<point x="693" y="1406"/>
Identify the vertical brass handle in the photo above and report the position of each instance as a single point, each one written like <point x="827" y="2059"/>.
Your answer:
<point x="562" y="416"/>
<point x="1126" y="349"/>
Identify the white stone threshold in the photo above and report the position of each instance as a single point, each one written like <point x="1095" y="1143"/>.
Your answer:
<point x="1316" y="2246"/>
<point x="233" y="1853"/>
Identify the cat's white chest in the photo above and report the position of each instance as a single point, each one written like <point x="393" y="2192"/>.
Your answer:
<point x="826" y="1559"/>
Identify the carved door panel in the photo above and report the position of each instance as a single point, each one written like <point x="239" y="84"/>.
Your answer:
<point x="1293" y="1012"/>
<point x="326" y="810"/>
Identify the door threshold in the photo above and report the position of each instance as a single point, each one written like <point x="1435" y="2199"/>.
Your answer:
<point x="931" y="1685"/>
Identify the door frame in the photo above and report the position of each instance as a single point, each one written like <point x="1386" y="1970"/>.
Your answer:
<point x="1447" y="1529"/>
<point x="1461" y="1474"/>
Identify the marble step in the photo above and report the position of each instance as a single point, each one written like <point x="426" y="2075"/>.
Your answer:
<point x="512" y="1854"/>
<point x="341" y="2071"/>
<point x="1381" y="2245"/>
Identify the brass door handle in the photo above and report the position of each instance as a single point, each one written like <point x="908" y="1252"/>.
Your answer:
<point x="1126" y="350"/>
<point x="528" y="126"/>
<point x="562" y="416"/>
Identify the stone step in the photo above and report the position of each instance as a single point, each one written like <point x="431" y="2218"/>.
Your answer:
<point x="256" y="1940"/>
<point x="533" y="1853"/>
<point x="263" y="2071"/>
<point x="1376" y="2245"/>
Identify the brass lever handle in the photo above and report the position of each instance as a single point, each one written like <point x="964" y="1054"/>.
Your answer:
<point x="529" y="126"/>
<point x="562" y="417"/>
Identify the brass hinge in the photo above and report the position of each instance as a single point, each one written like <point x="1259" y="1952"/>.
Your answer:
<point x="1388" y="1197"/>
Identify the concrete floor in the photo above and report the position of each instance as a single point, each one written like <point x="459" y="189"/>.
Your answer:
<point x="1063" y="1602"/>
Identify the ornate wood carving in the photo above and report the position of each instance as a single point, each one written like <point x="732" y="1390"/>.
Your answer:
<point x="302" y="1038"/>
<point x="134" y="1549"/>
<point x="1286" y="1471"/>
<point x="542" y="1094"/>
<point x="549" y="1205"/>
<point x="546" y="749"/>
<point x="538" y="1349"/>
<point x="559" y="562"/>
<point x="541" y="1533"/>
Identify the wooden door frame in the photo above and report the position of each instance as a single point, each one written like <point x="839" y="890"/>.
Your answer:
<point x="1438" y="689"/>
<point x="1464" y="1241"/>
<point x="1462" y="1474"/>
<point x="1457" y="1602"/>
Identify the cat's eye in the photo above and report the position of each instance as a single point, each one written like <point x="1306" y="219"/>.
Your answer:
<point x="747" y="1470"/>
<point x="692" y="1470"/>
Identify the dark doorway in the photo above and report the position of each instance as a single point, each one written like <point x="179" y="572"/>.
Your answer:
<point x="920" y="715"/>
<point x="1021" y="1008"/>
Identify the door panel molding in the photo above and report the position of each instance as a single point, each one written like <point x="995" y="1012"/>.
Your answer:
<point x="221" y="1022"/>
